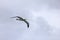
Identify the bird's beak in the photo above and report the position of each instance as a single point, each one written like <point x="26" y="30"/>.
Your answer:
<point x="12" y="17"/>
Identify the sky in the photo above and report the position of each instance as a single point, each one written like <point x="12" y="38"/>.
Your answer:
<point x="43" y="17"/>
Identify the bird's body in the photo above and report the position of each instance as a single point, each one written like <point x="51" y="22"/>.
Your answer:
<point x="21" y="19"/>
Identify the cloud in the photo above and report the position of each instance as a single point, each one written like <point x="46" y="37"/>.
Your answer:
<point x="43" y="16"/>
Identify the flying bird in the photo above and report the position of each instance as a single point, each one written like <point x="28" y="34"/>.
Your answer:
<point x="21" y="19"/>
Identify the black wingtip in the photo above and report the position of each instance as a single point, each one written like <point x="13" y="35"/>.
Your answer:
<point x="27" y="26"/>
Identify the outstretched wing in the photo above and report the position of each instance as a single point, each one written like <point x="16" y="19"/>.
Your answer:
<point x="17" y="17"/>
<point x="26" y="23"/>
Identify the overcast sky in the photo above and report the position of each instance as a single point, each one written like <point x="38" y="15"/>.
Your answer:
<point x="42" y="15"/>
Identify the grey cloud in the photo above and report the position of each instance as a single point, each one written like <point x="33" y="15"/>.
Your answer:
<point x="10" y="29"/>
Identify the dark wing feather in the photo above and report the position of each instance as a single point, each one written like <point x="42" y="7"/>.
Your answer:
<point x="26" y="23"/>
<point x="17" y="17"/>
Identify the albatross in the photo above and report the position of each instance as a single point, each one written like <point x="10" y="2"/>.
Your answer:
<point x="21" y="19"/>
